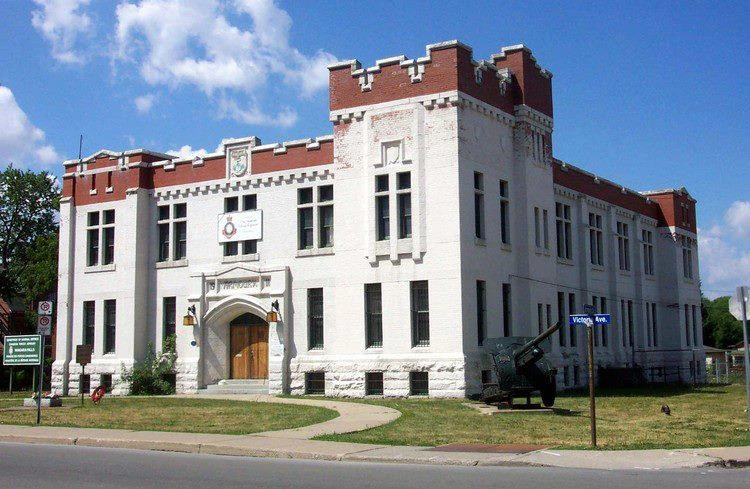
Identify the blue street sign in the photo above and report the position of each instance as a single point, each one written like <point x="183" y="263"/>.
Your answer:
<point x="585" y="319"/>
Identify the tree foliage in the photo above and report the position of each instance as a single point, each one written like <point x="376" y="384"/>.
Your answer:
<point x="151" y="376"/>
<point x="720" y="328"/>
<point x="28" y="232"/>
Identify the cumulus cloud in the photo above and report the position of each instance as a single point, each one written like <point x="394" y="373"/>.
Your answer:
<point x="144" y="103"/>
<point x="21" y="142"/>
<point x="738" y="218"/>
<point x="206" y="45"/>
<point x="187" y="152"/>
<point x="62" y="23"/>
<point x="724" y="263"/>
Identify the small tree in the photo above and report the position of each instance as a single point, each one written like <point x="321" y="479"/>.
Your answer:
<point x="149" y="377"/>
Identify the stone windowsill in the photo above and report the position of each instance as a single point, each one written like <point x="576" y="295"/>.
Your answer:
<point x="625" y="273"/>
<point x="598" y="268"/>
<point x="315" y="252"/>
<point x="651" y="278"/>
<point x="100" y="268"/>
<point x="240" y="258"/>
<point x="316" y="351"/>
<point x="506" y="247"/>
<point x="374" y="349"/>
<point x="542" y="251"/>
<point x="480" y="241"/>
<point x="172" y="263"/>
<point x="565" y="261"/>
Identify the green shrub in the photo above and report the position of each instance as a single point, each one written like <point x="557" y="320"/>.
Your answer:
<point x="152" y="376"/>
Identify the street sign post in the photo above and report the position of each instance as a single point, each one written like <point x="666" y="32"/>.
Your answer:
<point x="44" y="325"/>
<point x="27" y="350"/>
<point x="738" y="306"/>
<point x="83" y="358"/>
<point x="589" y="320"/>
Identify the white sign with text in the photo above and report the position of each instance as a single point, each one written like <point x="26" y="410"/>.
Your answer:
<point x="240" y="226"/>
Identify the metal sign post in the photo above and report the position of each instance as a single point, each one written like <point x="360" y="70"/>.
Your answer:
<point x="39" y="386"/>
<point x="739" y="309"/>
<point x="83" y="358"/>
<point x="589" y="320"/>
<point x="27" y="350"/>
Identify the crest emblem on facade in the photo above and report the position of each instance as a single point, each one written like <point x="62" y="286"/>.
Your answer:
<point x="238" y="162"/>
<point x="229" y="229"/>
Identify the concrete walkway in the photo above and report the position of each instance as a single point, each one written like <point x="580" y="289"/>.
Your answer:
<point x="353" y="416"/>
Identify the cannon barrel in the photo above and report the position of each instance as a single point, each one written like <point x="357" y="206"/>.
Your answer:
<point x="534" y="342"/>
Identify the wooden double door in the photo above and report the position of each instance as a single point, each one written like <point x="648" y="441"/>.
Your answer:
<point x="248" y="347"/>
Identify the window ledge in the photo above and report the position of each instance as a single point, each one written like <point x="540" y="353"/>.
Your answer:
<point x="315" y="252"/>
<point x="565" y="261"/>
<point x="625" y="273"/>
<point x="421" y="348"/>
<point x="92" y="192"/>
<point x="374" y="349"/>
<point x="240" y="258"/>
<point x="542" y="251"/>
<point x="100" y="268"/>
<point x="110" y="190"/>
<point x="316" y="351"/>
<point x="480" y="241"/>
<point x="506" y="247"/>
<point x="172" y="263"/>
<point x="598" y="268"/>
<point x="651" y="278"/>
<point x="690" y="281"/>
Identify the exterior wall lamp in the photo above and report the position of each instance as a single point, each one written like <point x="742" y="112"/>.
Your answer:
<point x="272" y="316"/>
<point x="189" y="318"/>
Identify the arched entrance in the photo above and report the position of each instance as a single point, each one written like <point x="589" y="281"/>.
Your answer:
<point x="248" y="347"/>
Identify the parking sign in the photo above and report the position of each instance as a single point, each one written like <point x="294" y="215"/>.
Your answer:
<point x="44" y="308"/>
<point x="44" y="325"/>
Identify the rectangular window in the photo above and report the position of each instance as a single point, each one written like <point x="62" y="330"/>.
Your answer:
<point x="89" y="322"/>
<point x="481" y="311"/>
<point x="418" y="384"/>
<point x="687" y="325"/>
<point x="305" y="219"/>
<point x="648" y="252"/>
<point x="92" y="247"/>
<point x="486" y="377"/>
<point x="169" y="316"/>
<point x="420" y="314"/>
<point x="687" y="257"/>
<point x="325" y="215"/>
<point x="564" y="228"/>
<point x="631" y="323"/>
<point x="605" y="332"/>
<point x="106" y="381"/>
<point x="100" y="238"/>
<point x="403" y="192"/>
<point x="504" y="213"/>
<point x="562" y="317"/>
<point x="623" y="245"/>
<point x="315" y="318"/>
<point x="172" y="232"/>
<point x="595" y="331"/>
<point x="109" y="245"/>
<point x="623" y="324"/>
<point x="315" y="383"/>
<point x="539" y="318"/>
<point x="180" y="240"/>
<point x="545" y="227"/>
<point x="572" y="310"/>
<point x="506" y="310"/>
<point x="231" y="204"/>
<point x="110" y="329"/>
<point x="164" y="242"/>
<point x="566" y="375"/>
<point x="576" y="375"/>
<point x="478" y="205"/>
<point x="373" y="316"/>
<point x="382" y="208"/>
<point x="596" y="239"/>
<point x="654" y="325"/>
<point x="537" y="228"/>
<point x="694" y="318"/>
<point x="305" y="196"/>
<point x="374" y="383"/>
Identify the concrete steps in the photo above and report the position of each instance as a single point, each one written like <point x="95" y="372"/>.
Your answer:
<point x="237" y="387"/>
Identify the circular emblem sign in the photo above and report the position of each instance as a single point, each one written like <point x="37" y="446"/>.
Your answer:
<point x="229" y="229"/>
<point x="238" y="163"/>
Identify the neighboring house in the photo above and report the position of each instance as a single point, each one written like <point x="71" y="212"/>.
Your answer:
<point x="737" y="355"/>
<point x="715" y="355"/>
<point x="453" y="223"/>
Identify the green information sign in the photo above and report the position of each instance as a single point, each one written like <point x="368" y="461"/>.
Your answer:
<point x="23" y="350"/>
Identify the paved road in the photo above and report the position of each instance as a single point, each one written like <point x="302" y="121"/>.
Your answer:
<point x="47" y="466"/>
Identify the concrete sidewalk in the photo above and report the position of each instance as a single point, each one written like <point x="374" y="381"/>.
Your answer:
<point x="268" y="445"/>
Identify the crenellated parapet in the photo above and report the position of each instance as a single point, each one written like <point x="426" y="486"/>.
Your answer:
<point x="508" y="79"/>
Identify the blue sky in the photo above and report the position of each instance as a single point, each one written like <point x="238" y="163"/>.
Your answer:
<point x="648" y="94"/>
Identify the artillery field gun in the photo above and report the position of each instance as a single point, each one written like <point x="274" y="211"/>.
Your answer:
<point x="520" y="369"/>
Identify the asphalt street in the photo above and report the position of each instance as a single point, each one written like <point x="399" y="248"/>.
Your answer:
<point x="49" y="466"/>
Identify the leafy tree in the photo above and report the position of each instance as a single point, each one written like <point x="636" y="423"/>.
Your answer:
<point x="152" y="375"/>
<point x="28" y="232"/>
<point x="720" y="328"/>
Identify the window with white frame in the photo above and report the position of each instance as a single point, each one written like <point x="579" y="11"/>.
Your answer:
<point x="481" y="311"/>
<point x="625" y="333"/>
<point x="507" y="316"/>
<point x="647" y="237"/>
<point x="687" y="257"/>
<point x="172" y="232"/>
<point x="651" y="324"/>
<point x="623" y="245"/>
<point x="232" y="204"/>
<point x="504" y="213"/>
<point x="687" y="326"/>
<point x="403" y="199"/>
<point x="382" y="207"/>
<point x="420" y="314"/>
<point x="325" y="216"/>
<point x="572" y="310"/>
<point x="315" y="319"/>
<point x="305" y="226"/>
<point x="309" y="203"/>
<point x="110" y="327"/>
<point x="100" y="238"/>
<point x="541" y="229"/>
<point x="695" y="323"/>
<point x="373" y="316"/>
<point x="596" y="239"/>
<point x="564" y="228"/>
<point x="600" y="331"/>
<point x="478" y="205"/>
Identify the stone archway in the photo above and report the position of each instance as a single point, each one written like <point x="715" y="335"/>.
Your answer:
<point x="221" y="340"/>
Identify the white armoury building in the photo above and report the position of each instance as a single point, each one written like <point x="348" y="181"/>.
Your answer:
<point x="433" y="217"/>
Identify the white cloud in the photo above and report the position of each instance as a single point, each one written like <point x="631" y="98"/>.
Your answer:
<point x="206" y="45"/>
<point x="187" y="152"/>
<point x="738" y="218"/>
<point x="144" y="103"/>
<point x="21" y="142"/>
<point x="62" y="22"/>
<point x="724" y="264"/>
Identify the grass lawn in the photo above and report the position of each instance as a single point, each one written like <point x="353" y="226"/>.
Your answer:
<point x="626" y="419"/>
<point x="8" y="400"/>
<point x="171" y="414"/>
